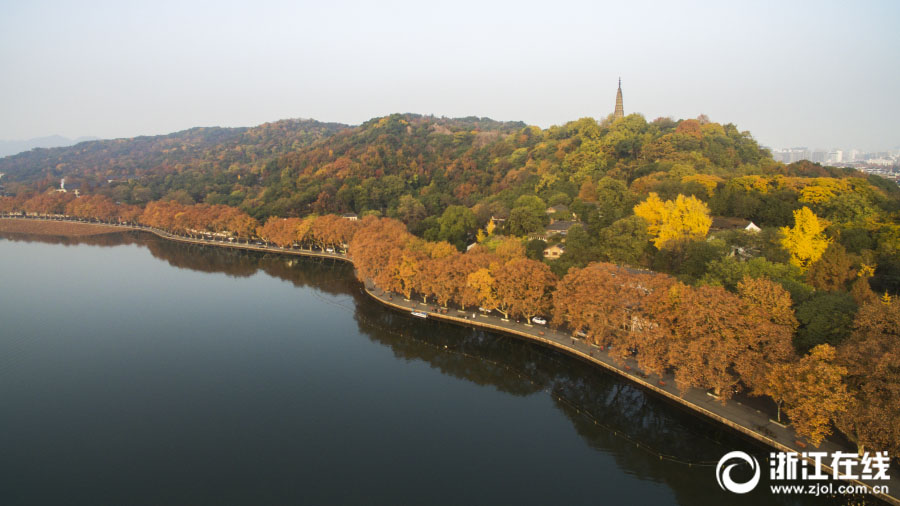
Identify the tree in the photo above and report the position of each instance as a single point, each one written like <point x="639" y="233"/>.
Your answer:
<point x="431" y="279"/>
<point x="523" y="221"/>
<point x="715" y="337"/>
<point x="872" y="358"/>
<point x="862" y="292"/>
<point x="458" y="271"/>
<point x="376" y="248"/>
<point x="524" y="285"/>
<point x="614" y="200"/>
<point x="824" y="318"/>
<point x="625" y="241"/>
<point x="608" y="304"/>
<point x="683" y="218"/>
<point x="805" y="241"/>
<point x="587" y="300"/>
<point x="812" y="391"/>
<point x="456" y="225"/>
<point x="510" y="249"/>
<point x="534" y="249"/>
<point x="409" y="269"/>
<point x="410" y="211"/>
<point x="774" y="330"/>
<point x="483" y="283"/>
<point x="439" y="277"/>
<point x="832" y="270"/>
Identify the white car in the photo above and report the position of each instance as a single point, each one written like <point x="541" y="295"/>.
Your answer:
<point x="539" y="320"/>
<point x="329" y="250"/>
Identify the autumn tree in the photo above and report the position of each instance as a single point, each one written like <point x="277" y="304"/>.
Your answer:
<point x="409" y="267"/>
<point x="770" y="305"/>
<point x="861" y="291"/>
<point x="832" y="270"/>
<point x="590" y="300"/>
<point x="812" y="391"/>
<point x="716" y="337"/>
<point x="48" y="203"/>
<point x="376" y="248"/>
<point x="510" y="249"/>
<point x="484" y="285"/>
<point x="683" y="218"/>
<point x="439" y="276"/>
<point x="805" y="241"/>
<point x="303" y="231"/>
<point x="872" y="358"/>
<point x="459" y="267"/>
<point x="523" y="286"/>
<point x="281" y="232"/>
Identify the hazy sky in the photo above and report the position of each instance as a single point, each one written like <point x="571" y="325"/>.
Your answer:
<point x="817" y="74"/>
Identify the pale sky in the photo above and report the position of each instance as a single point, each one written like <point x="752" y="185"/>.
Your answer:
<point x="817" y="74"/>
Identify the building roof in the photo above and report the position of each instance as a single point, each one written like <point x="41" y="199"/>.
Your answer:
<point x="728" y="223"/>
<point x="559" y="208"/>
<point x="561" y="226"/>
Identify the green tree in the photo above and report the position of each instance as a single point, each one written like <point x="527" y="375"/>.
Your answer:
<point x="524" y="220"/>
<point x="457" y="224"/>
<point x="534" y="249"/>
<point x="825" y="318"/>
<point x="614" y="201"/>
<point x="626" y="241"/>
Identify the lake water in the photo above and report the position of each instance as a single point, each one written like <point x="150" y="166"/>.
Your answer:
<point x="136" y="371"/>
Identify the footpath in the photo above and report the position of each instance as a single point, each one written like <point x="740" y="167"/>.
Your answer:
<point x="737" y="415"/>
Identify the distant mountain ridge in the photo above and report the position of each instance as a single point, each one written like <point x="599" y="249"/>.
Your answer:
<point x="201" y="148"/>
<point x="14" y="147"/>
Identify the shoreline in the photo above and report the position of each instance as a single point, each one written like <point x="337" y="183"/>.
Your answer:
<point x="746" y="421"/>
<point x="55" y="228"/>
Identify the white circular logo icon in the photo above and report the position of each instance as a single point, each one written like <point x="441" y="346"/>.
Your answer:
<point x="723" y="476"/>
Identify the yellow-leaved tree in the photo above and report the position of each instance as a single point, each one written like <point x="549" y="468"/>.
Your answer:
<point x="683" y="218"/>
<point x="806" y="240"/>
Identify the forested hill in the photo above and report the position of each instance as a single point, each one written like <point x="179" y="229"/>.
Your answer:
<point x="206" y="150"/>
<point x="415" y="167"/>
<point x="465" y="162"/>
<point x="412" y="167"/>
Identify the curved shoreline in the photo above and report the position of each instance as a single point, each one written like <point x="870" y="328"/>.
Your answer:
<point x="745" y="420"/>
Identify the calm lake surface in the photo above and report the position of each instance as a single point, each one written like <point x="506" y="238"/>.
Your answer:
<point x="135" y="370"/>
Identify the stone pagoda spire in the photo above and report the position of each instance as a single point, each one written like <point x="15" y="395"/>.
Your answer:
<point x="620" y="111"/>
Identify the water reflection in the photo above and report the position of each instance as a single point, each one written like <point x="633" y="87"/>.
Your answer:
<point x="647" y="436"/>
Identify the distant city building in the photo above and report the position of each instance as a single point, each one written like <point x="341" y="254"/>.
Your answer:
<point x="872" y="162"/>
